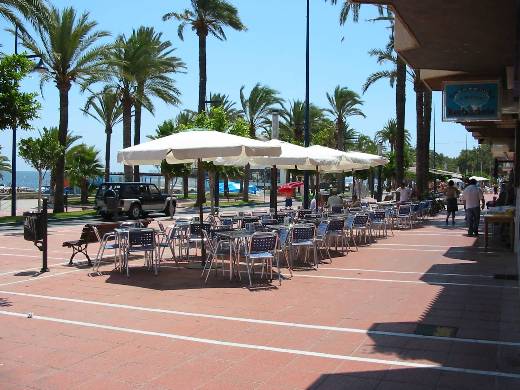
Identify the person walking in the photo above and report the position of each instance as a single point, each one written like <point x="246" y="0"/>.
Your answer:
<point x="452" y="194"/>
<point x="473" y="196"/>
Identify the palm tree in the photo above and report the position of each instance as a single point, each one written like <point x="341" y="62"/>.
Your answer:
<point x="83" y="164"/>
<point x="222" y="100"/>
<point x="68" y="48"/>
<point x="153" y="76"/>
<point x="388" y="135"/>
<point x="293" y="120"/>
<point x="423" y="105"/>
<point x="32" y="10"/>
<point x="105" y="107"/>
<point x="257" y="109"/>
<point x="4" y="163"/>
<point x="69" y="141"/>
<point x="206" y="17"/>
<point x="343" y="104"/>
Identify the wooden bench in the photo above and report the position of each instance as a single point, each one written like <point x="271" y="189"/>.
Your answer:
<point x="90" y="233"/>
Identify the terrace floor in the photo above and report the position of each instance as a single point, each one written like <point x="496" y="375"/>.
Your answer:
<point x="348" y="325"/>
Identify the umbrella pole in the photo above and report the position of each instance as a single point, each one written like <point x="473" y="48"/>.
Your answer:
<point x="317" y="189"/>
<point x="200" y="195"/>
<point x="274" y="190"/>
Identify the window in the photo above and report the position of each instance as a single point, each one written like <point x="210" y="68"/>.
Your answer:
<point x="154" y="191"/>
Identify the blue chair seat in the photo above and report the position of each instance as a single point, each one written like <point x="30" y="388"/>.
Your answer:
<point x="260" y="255"/>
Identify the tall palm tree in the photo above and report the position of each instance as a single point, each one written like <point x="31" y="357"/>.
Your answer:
<point x="423" y="105"/>
<point x="222" y="100"/>
<point x="122" y="59"/>
<point x="153" y="76"/>
<point x="68" y="48"/>
<point x="257" y="108"/>
<point x="83" y="164"/>
<point x="293" y="120"/>
<point x="388" y="135"/>
<point x="105" y="107"/>
<point x="206" y="17"/>
<point x="343" y="104"/>
<point x="4" y="163"/>
<point x="32" y="10"/>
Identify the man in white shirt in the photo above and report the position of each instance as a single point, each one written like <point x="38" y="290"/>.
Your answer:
<point x="404" y="193"/>
<point x="473" y="197"/>
<point x="334" y="200"/>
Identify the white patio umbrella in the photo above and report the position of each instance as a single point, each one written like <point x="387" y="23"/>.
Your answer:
<point x="195" y="145"/>
<point x="372" y="160"/>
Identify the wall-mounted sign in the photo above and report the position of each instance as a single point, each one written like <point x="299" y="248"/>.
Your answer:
<point x="471" y="101"/>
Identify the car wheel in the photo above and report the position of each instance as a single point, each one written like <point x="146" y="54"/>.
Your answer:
<point x="167" y="210"/>
<point x="135" y="211"/>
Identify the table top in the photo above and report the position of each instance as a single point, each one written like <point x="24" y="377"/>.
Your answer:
<point x="499" y="217"/>
<point x="234" y="234"/>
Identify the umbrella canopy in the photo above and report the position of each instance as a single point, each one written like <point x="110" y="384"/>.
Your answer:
<point x="291" y="156"/>
<point x="194" y="144"/>
<point x="479" y="178"/>
<point x="341" y="161"/>
<point x="367" y="159"/>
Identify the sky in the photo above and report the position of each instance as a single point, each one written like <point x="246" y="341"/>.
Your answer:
<point x="270" y="52"/>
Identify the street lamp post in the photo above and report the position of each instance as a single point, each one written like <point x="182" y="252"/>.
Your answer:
<point x="40" y="67"/>
<point x="307" y="113"/>
<point x="379" y="194"/>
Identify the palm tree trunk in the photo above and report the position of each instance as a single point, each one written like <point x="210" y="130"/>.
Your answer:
<point x="40" y="182"/>
<point x="340" y="145"/>
<point x="127" y="133"/>
<point x="166" y="184"/>
<point x="202" y="69"/>
<point x="400" y="103"/>
<point x="108" y="132"/>
<point x="185" y="188"/>
<point x="211" y="177"/>
<point x="426" y="129"/>
<point x="419" y="107"/>
<point x="62" y="138"/>
<point x="245" y="193"/>
<point x="138" y="108"/>
<point x="84" y="191"/>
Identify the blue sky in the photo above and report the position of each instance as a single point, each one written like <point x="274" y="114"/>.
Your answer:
<point x="271" y="52"/>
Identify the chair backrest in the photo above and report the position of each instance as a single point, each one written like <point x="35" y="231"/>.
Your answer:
<point x="404" y="210"/>
<point x="94" y="232"/>
<point x="259" y="213"/>
<point x="322" y="228"/>
<point x="416" y="207"/>
<point x="195" y="228"/>
<point x="335" y="225"/>
<point x="360" y="220"/>
<point x="263" y="242"/>
<point x="349" y="221"/>
<point x="141" y="238"/>
<point x="336" y="209"/>
<point x="303" y="232"/>
<point x="303" y="212"/>
<point x="379" y="215"/>
<point x="280" y="218"/>
<point x="283" y="235"/>
<point x="227" y="221"/>
<point x="161" y="226"/>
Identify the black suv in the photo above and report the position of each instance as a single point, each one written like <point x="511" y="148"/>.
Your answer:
<point x="134" y="199"/>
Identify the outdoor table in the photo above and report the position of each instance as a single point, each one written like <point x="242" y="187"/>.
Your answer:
<point x="502" y="219"/>
<point x="242" y="220"/>
<point x="235" y="237"/>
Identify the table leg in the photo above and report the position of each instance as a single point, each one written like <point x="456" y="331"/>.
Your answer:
<point x="486" y="237"/>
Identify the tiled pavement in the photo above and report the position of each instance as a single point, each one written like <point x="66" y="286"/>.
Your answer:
<point x="349" y="325"/>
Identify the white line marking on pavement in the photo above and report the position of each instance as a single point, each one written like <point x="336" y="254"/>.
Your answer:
<point x="34" y="279"/>
<point x="263" y="322"/>
<point x="300" y="352"/>
<point x="407" y="281"/>
<point x="408" y="272"/>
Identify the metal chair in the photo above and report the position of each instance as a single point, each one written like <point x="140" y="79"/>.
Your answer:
<point x="141" y="240"/>
<point x="215" y="248"/>
<point x="195" y="236"/>
<point x="303" y="237"/>
<point x="361" y="225"/>
<point x="404" y="216"/>
<point x="262" y="246"/>
<point x="321" y="239"/>
<point x="283" y="246"/>
<point x="378" y="220"/>
<point x="336" y="209"/>
<point x="108" y="241"/>
<point x="348" y="230"/>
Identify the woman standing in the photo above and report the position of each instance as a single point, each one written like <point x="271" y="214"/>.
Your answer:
<point x="452" y="194"/>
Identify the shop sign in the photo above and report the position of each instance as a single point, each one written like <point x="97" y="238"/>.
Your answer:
<point x="471" y="101"/>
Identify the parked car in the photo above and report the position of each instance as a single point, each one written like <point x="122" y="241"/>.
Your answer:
<point x="133" y="199"/>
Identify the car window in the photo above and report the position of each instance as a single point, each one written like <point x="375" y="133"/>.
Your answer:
<point x="154" y="190"/>
<point x="143" y="190"/>
<point x="130" y="191"/>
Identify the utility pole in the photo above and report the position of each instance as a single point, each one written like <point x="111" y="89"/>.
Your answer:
<point x="307" y="114"/>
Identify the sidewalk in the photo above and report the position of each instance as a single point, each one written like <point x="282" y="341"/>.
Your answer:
<point x="352" y="324"/>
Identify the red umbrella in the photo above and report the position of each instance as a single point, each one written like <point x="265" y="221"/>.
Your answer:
<point x="288" y="188"/>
